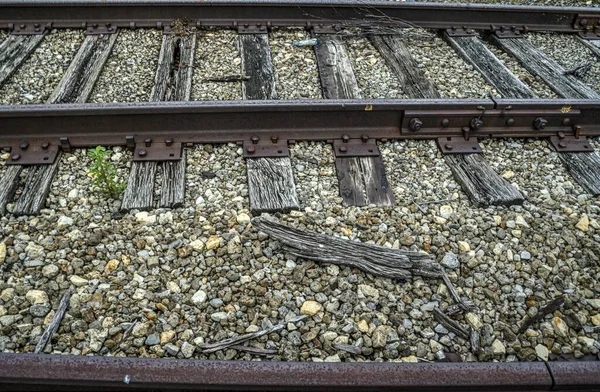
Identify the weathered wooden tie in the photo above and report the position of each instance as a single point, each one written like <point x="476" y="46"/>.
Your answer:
<point x="139" y="192"/>
<point x="37" y="187"/>
<point x="540" y="64"/>
<point x="473" y="51"/>
<point x="270" y="179"/>
<point x="399" y="59"/>
<point x="14" y="50"/>
<point x="592" y="44"/>
<point x="583" y="166"/>
<point x="362" y="180"/>
<point x="172" y="82"/>
<point x="10" y="182"/>
<point x="82" y="74"/>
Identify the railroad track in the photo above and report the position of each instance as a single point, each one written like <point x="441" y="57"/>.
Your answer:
<point x="346" y="161"/>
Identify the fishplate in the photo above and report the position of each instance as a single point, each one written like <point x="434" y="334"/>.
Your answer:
<point x="510" y="31"/>
<point x="458" y="145"/>
<point x="150" y="150"/>
<point x="461" y="32"/>
<point x="27" y="28"/>
<point x="363" y="147"/>
<point x="327" y="28"/>
<point x="568" y="143"/>
<point x="38" y="153"/>
<point x="97" y="28"/>
<point x="265" y="148"/>
<point x="586" y="22"/>
<point x="253" y="28"/>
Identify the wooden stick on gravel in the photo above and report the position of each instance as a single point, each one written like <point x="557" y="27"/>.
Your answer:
<point x="450" y="324"/>
<point x="553" y="305"/>
<point x="465" y="305"/>
<point x="55" y="323"/>
<point x="236" y="340"/>
<point x="377" y="260"/>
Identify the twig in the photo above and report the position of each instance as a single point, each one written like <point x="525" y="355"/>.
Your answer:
<point x="133" y="324"/>
<point x="465" y="305"/>
<point x="475" y="347"/>
<point x="347" y="347"/>
<point x="227" y="78"/>
<point x="55" y="323"/>
<point x="236" y="340"/>
<point x="254" y="350"/>
<point x="553" y="305"/>
<point x="450" y="324"/>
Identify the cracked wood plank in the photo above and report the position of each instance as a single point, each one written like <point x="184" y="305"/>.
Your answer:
<point x="584" y="167"/>
<point x="481" y="183"/>
<point x="36" y="190"/>
<point x="82" y="74"/>
<point x="362" y="180"/>
<point x="173" y="183"/>
<point x="173" y="79"/>
<point x="473" y="51"/>
<point x="14" y="50"/>
<point x="270" y="180"/>
<point x="406" y="69"/>
<point x="9" y="184"/>
<point x="540" y="64"/>
<point x="139" y="193"/>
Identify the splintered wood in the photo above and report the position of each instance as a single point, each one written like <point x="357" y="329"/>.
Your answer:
<point x="14" y="50"/>
<point x="335" y="69"/>
<point x="256" y="62"/>
<point x="139" y="193"/>
<point x="173" y="183"/>
<point x="376" y="260"/>
<point x="173" y="79"/>
<point x="10" y="182"/>
<point x="481" y="183"/>
<point x="584" y="167"/>
<point x="271" y="185"/>
<point x="37" y="187"/>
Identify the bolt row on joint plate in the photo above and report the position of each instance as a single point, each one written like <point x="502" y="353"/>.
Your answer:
<point x="266" y="148"/>
<point x="150" y="150"/>
<point x="39" y="153"/>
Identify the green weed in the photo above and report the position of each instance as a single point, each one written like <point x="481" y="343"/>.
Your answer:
<point x="104" y="174"/>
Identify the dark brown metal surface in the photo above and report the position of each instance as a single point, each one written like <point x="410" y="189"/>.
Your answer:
<point x="144" y="13"/>
<point x="575" y="376"/>
<point x="57" y="372"/>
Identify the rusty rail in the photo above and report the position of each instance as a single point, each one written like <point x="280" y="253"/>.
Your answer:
<point x="23" y="15"/>
<point x="81" y="373"/>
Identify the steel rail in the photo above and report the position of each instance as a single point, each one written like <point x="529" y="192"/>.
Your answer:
<point x="147" y="13"/>
<point x="85" y="125"/>
<point x="82" y="373"/>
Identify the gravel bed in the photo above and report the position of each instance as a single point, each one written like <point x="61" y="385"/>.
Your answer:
<point x="296" y="73"/>
<point x="374" y="78"/>
<point x="128" y="75"/>
<point x="535" y="83"/>
<point x="35" y="80"/>
<point x="440" y="63"/>
<point x="3" y="34"/>
<point x="569" y="53"/>
<point x="216" y="56"/>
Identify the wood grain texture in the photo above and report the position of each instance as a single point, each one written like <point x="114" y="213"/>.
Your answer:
<point x="374" y="259"/>
<point x="584" y="167"/>
<point x="271" y="185"/>
<point x="173" y="79"/>
<point x="363" y="181"/>
<point x="37" y="187"/>
<point x="14" y="50"/>
<point x="139" y="193"/>
<point x="8" y="185"/>
<point x="82" y="74"/>
<point x="173" y="183"/>
<point x="473" y="51"/>
<point x="406" y="69"/>
<point x="540" y="64"/>
<point x="256" y="63"/>
<point x="335" y="69"/>
<point x="481" y="183"/>
<point x="591" y="44"/>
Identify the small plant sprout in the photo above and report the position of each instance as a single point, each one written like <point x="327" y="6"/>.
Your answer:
<point x="104" y="173"/>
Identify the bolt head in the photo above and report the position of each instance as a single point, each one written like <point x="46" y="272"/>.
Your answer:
<point x="254" y="139"/>
<point x="274" y="139"/>
<point x="45" y="145"/>
<point x="448" y="146"/>
<point x="169" y="142"/>
<point x="510" y="122"/>
<point x="142" y="153"/>
<point x="566" y="121"/>
<point x="345" y="138"/>
<point x="24" y="146"/>
<point x="415" y="124"/>
<point x="562" y="145"/>
<point x="561" y="135"/>
<point x="364" y="138"/>
<point x="15" y="157"/>
<point x="445" y="123"/>
<point x="343" y="149"/>
<point x="250" y="149"/>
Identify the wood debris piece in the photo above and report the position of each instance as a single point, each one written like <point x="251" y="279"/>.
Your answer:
<point x="36" y="190"/>
<point x="584" y="167"/>
<point x="55" y="323"/>
<point x="474" y="337"/>
<point x="552" y="306"/>
<point x="255" y="350"/>
<point x="465" y="305"/>
<point x="227" y="78"/>
<point x="271" y="185"/>
<point x="10" y="182"/>
<point x="450" y="324"/>
<point x="349" y="348"/>
<point x="374" y="259"/>
<point x="14" y="50"/>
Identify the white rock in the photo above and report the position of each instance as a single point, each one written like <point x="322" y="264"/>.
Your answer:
<point x="144" y="217"/>
<point x="2" y="252"/>
<point x="474" y="321"/>
<point x="197" y="245"/>
<point x="64" y="221"/>
<point x="78" y="281"/>
<point x="199" y="297"/>
<point x="519" y="220"/>
<point x="498" y="347"/>
<point x="311" y="308"/>
<point x="542" y="352"/>
<point x="463" y="246"/>
<point x="583" y="223"/>
<point x="37" y="297"/>
<point x="446" y="211"/>
<point x="595" y="303"/>
<point x="165" y="218"/>
<point x="587" y="342"/>
<point x="73" y="194"/>
<point x="243" y="218"/>
<point x="560" y="327"/>
<point x="218" y="316"/>
<point x="450" y="260"/>
<point x="369" y="291"/>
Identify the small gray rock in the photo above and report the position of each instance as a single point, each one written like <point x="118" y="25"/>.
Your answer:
<point x="450" y="260"/>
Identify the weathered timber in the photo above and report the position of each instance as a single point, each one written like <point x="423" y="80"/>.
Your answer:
<point x="271" y="185"/>
<point x="376" y="260"/>
<point x="14" y="50"/>
<point x="173" y="183"/>
<point x="256" y="63"/>
<point x="82" y="74"/>
<point x="540" y="64"/>
<point x="451" y="325"/>
<point x="37" y="187"/>
<point x="55" y="323"/>
<point x="173" y="79"/>
<point x="139" y="192"/>
<point x="592" y="44"/>
<point x="474" y="338"/>
<point x="255" y="350"/>
<point x="363" y="181"/>
<point x="473" y="51"/>
<point x="406" y="69"/>
<point x="584" y="167"/>
<point x="550" y="307"/>
<point x="270" y="180"/>
<point x="465" y="305"/>
<point x="8" y="185"/>
<point x="480" y="182"/>
<point x="335" y="69"/>
<point x="234" y="341"/>
<point x="227" y="78"/>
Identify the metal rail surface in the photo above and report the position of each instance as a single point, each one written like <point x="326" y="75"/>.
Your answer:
<point x="308" y="13"/>
<point x="83" y="373"/>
